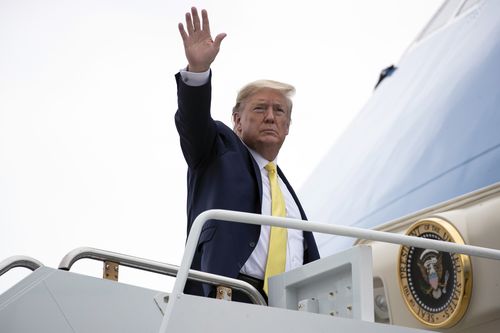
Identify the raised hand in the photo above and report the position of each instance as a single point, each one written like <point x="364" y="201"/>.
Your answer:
<point x="199" y="46"/>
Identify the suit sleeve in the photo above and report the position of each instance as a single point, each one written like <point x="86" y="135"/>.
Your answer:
<point x="196" y="128"/>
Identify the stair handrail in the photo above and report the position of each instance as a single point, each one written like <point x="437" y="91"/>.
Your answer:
<point x="19" y="261"/>
<point x="160" y="268"/>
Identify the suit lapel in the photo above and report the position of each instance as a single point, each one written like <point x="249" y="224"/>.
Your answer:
<point x="289" y="187"/>
<point x="258" y="178"/>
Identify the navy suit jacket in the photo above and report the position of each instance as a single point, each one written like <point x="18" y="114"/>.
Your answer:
<point x="222" y="174"/>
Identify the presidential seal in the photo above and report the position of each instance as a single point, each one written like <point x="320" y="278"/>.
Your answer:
<point x="436" y="286"/>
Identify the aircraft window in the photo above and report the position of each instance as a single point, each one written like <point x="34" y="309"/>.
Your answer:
<point x="467" y="4"/>
<point x="445" y="13"/>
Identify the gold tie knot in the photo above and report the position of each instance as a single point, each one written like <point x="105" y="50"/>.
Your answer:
<point x="270" y="167"/>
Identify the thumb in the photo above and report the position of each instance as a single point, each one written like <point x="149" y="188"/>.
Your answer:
<point x="218" y="39"/>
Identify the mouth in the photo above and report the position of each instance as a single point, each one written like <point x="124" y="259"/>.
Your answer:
<point x="269" y="131"/>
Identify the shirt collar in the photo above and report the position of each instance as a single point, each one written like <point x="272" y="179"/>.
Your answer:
<point x="261" y="161"/>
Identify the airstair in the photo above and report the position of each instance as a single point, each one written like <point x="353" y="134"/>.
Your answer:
<point x="332" y="294"/>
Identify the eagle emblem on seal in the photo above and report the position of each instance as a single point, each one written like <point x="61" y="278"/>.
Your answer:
<point x="431" y="267"/>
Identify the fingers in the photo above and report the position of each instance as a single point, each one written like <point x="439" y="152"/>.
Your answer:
<point x="218" y="39"/>
<point x="189" y="23"/>
<point x="184" y="35"/>
<point x="206" y="23"/>
<point x="193" y="23"/>
<point x="196" y="19"/>
<point x="194" y="27"/>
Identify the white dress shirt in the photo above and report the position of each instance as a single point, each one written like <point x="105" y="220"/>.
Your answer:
<point x="256" y="263"/>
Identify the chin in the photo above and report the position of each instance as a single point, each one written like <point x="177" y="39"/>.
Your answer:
<point x="271" y="141"/>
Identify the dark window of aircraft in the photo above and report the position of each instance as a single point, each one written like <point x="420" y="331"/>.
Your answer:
<point x="444" y="14"/>
<point x="385" y="73"/>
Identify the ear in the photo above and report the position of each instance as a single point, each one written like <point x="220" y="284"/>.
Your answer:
<point x="236" y="122"/>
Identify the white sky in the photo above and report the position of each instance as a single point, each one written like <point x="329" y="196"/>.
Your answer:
<point x="89" y="154"/>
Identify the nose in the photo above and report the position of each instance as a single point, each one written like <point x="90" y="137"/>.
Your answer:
<point x="269" y="114"/>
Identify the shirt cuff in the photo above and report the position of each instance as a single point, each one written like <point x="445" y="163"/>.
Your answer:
<point x="194" y="79"/>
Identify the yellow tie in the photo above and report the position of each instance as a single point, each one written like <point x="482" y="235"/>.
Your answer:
<point x="276" y="256"/>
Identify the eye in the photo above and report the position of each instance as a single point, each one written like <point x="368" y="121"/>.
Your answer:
<point x="259" y="108"/>
<point x="279" y="110"/>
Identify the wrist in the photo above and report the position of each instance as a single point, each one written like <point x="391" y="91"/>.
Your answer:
<point x="197" y="69"/>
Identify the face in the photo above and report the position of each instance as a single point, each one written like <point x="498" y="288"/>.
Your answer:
<point x="263" y="122"/>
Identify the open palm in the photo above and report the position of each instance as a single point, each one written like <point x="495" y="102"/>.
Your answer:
<point x="199" y="46"/>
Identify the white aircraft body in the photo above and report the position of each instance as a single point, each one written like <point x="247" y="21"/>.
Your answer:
<point x="426" y="147"/>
